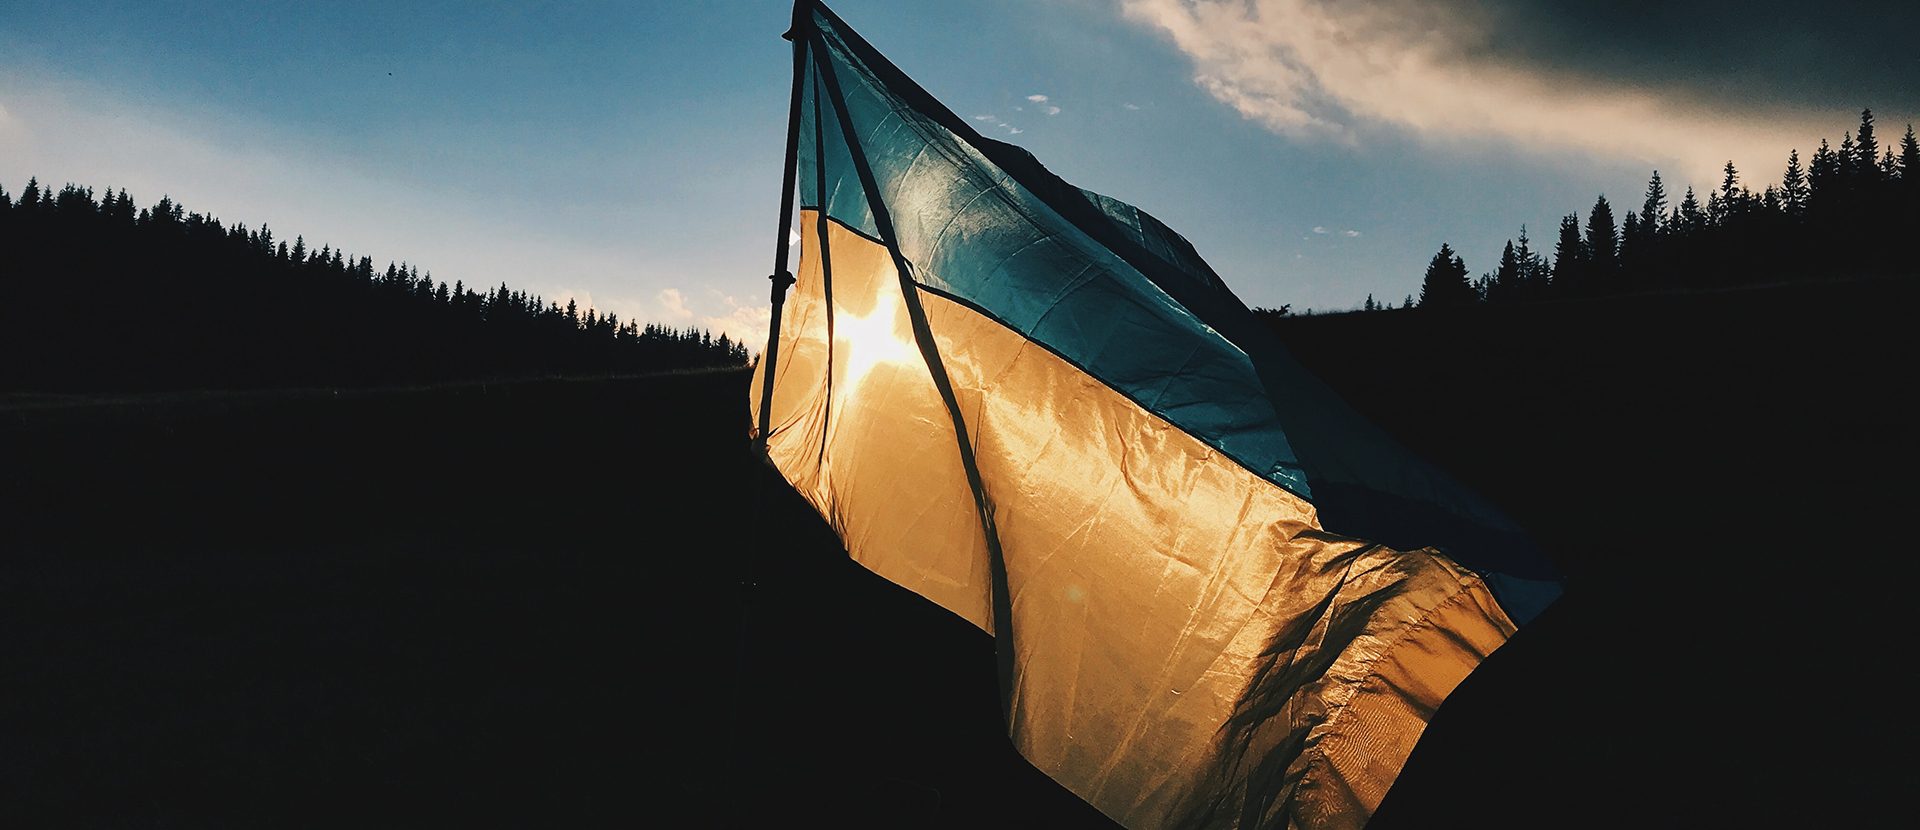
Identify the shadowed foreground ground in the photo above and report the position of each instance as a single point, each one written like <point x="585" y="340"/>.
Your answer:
<point x="518" y="604"/>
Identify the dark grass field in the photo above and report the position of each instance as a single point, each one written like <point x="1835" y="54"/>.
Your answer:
<point x="520" y="605"/>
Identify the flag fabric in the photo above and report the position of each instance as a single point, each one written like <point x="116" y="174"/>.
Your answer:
<point x="1220" y="598"/>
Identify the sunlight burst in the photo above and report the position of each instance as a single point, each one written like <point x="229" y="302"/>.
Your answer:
<point x="871" y="340"/>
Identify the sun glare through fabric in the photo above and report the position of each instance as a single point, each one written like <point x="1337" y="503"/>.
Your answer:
<point x="863" y="343"/>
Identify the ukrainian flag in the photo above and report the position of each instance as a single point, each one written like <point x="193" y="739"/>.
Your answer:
<point x="1220" y="597"/>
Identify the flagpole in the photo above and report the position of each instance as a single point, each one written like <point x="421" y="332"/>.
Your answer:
<point x="782" y="278"/>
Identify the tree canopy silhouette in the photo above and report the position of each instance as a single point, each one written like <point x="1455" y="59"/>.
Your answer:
<point x="98" y="295"/>
<point x="1851" y="211"/>
<point x="1446" y="281"/>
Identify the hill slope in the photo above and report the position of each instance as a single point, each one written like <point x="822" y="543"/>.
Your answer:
<point x="519" y="604"/>
<point x="1728" y="478"/>
<point x="98" y="297"/>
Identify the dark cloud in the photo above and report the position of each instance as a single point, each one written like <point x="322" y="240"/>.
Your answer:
<point x="1738" y="54"/>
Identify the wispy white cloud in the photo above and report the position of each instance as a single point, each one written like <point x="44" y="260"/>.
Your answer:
<point x="1130" y="105"/>
<point x="627" y="309"/>
<point x="1319" y="229"/>
<point x="1350" y="234"/>
<point x="743" y="323"/>
<point x="995" y="121"/>
<point x="1326" y="68"/>
<point x="582" y="300"/>
<point x="673" y="305"/>
<point x="1045" y="107"/>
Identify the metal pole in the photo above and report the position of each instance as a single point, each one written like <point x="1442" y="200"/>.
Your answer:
<point x="782" y="278"/>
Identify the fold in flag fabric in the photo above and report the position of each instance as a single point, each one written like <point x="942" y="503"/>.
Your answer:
<point x="1220" y="598"/>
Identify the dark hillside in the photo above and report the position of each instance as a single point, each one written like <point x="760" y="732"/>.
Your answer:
<point x="518" y="604"/>
<point x="509" y="605"/>
<point x="96" y="296"/>
<point x="1728" y="476"/>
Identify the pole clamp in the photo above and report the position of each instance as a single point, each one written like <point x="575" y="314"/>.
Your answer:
<point x="781" y="282"/>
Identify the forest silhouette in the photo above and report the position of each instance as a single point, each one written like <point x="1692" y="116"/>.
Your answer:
<point x="101" y="296"/>
<point x="1847" y="212"/>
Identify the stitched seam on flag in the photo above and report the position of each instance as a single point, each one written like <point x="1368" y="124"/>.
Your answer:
<point x="863" y="66"/>
<point x="975" y="307"/>
<point x="1320" y="764"/>
<point x="853" y="230"/>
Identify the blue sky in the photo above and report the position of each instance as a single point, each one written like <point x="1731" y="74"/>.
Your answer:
<point x="628" y="154"/>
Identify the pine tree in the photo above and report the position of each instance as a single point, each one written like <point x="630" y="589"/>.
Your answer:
<point x="1533" y="271"/>
<point x="1446" y="282"/>
<point x="1793" y="187"/>
<point x="1569" y="255"/>
<point x="1655" y="205"/>
<point x="1692" y="220"/>
<point x="1823" y="180"/>
<point x="123" y="210"/>
<point x="1846" y="160"/>
<point x="1728" y="199"/>
<point x="1866" y="150"/>
<point x="1506" y="284"/>
<point x="1633" y="248"/>
<point x="1603" y="244"/>
<point x="1910" y="161"/>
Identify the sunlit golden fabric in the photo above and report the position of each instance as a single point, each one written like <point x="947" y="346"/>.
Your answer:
<point x="1191" y="649"/>
<point x="871" y="446"/>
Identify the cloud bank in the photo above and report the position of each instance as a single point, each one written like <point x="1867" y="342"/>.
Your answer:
<point x="1331" y="69"/>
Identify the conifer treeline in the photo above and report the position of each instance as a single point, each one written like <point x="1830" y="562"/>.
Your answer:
<point x="1849" y="211"/>
<point x="96" y="294"/>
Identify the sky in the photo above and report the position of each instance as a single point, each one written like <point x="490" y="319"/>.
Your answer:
<point x="627" y="155"/>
